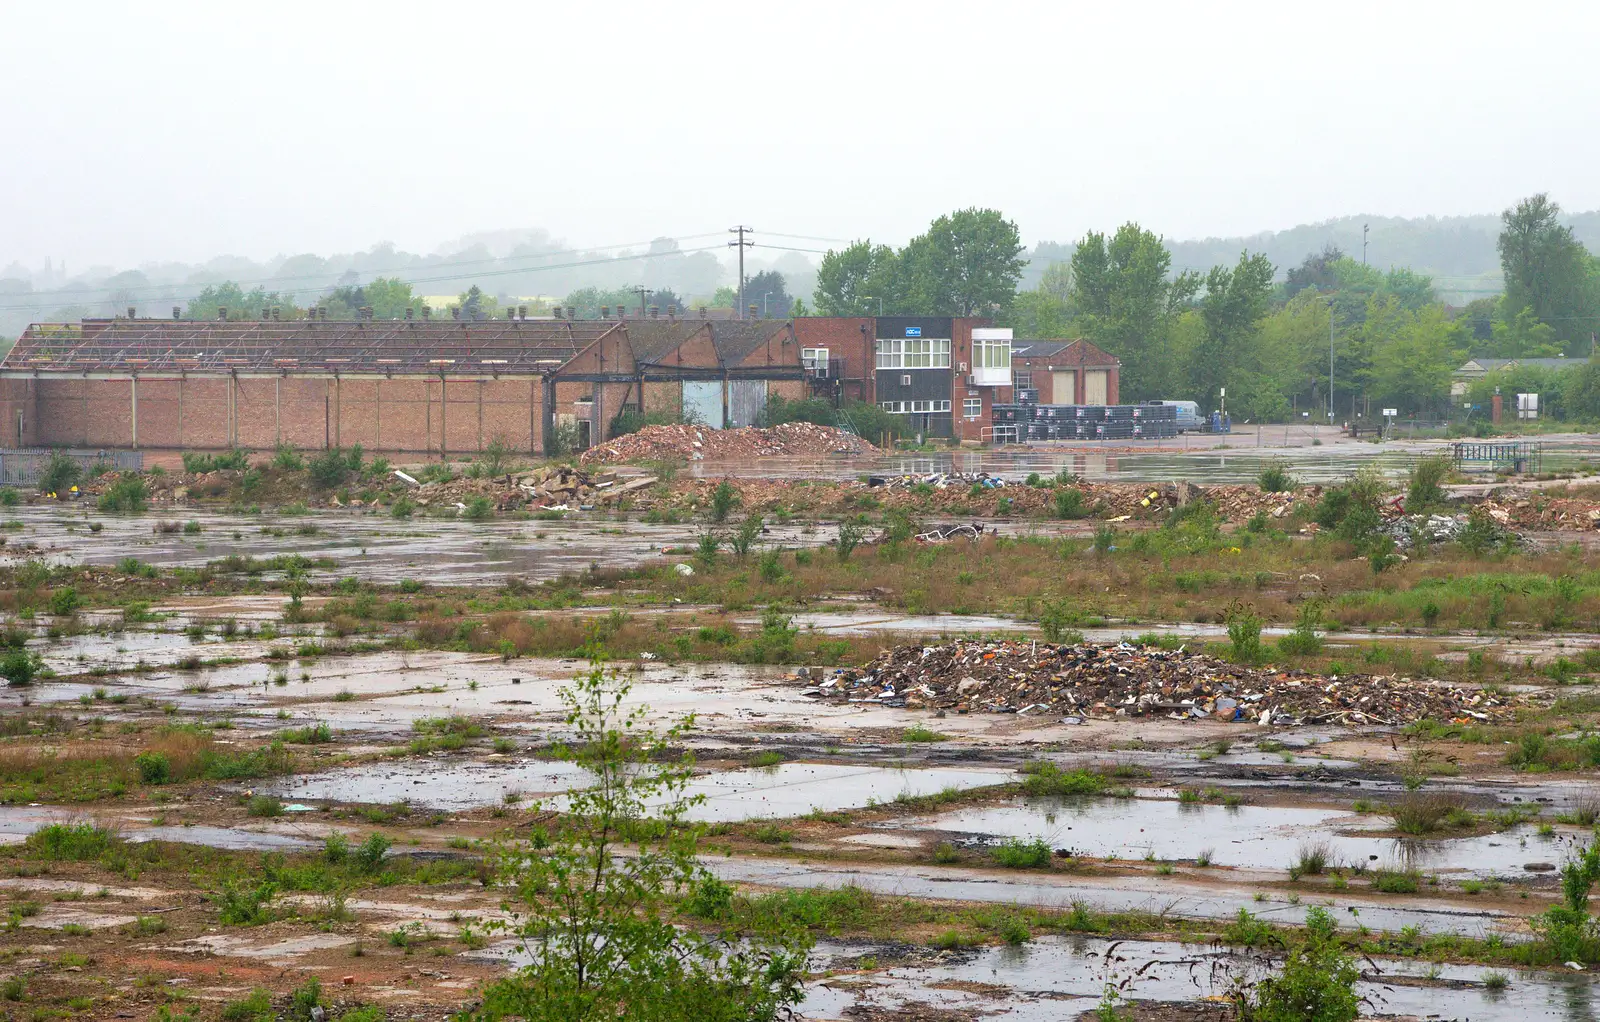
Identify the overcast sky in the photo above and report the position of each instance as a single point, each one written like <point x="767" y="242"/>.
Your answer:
<point x="138" y="132"/>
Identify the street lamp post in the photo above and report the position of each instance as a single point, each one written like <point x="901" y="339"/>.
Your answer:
<point x="880" y="303"/>
<point x="765" y="295"/>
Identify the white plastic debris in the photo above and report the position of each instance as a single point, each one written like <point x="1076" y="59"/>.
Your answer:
<point x="683" y="569"/>
<point x="408" y="480"/>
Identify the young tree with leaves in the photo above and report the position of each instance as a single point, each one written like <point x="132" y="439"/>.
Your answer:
<point x="591" y="902"/>
<point x="858" y="281"/>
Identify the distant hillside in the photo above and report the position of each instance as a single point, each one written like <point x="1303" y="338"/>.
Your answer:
<point x="1458" y="251"/>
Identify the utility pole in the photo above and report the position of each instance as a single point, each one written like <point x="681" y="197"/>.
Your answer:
<point x="1330" y="360"/>
<point x="741" y="245"/>
<point x="1364" y="243"/>
<point x="643" y="293"/>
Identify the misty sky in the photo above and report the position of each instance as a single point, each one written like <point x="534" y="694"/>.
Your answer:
<point x="140" y="132"/>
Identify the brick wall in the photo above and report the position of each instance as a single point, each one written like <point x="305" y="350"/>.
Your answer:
<point x="847" y="338"/>
<point x="17" y="399"/>
<point x="410" y="415"/>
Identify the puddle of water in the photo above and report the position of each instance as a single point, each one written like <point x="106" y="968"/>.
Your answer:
<point x="789" y="789"/>
<point x="794" y="789"/>
<point x="1054" y="978"/>
<point x="370" y="546"/>
<point x="446" y="784"/>
<point x="1174" y="896"/>
<point x="231" y="838"/>
<point x="1252" y="837"/>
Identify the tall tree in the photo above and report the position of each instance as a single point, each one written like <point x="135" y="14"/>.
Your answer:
<point x="767" y="291"/>
<point x="1315" y="272"/>
<point x="1234" y="304"/>
<point x="968" y="263"/>
<point x="1411" y="370"/>
<point x="852" y="281"/>
<point x="1546" y="270"/>
<point x="1125" y="301"/>
<point x="1045" y="311"/>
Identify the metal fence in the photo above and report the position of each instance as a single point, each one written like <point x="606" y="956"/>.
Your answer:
<point x="23" y="467"/>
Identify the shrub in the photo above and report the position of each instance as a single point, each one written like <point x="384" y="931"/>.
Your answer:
<point x="255" y="1008"/>
<point x="1274" y="477"/>
<point x="1244" y="633"/>
<point x="1015" y="853"/>
<point x="1317" y="983"/>
<point x="370" y="853"/>
<point x="329" y="469"/>
<point x="1045" y="778"/>
<point x="153" y="767"/>
<point x="65" y="601"/>
<point x="1070" y="503"/>
<point x="850" y="536"/>
<point x="19" y="667"/>
<point x="287" y="459"/>
<point x="479" y="508"/>
<point x="72" y="842"/>
<point x="1396" y="881"/>
<point x="125" y="496"/>
<point x="812" y="409"/>
<point x="241" y="906"/>
<point x="723" y="499"/>
<point x="1423" y="490"/>
<point x="9" y="497"/>
<point x="60" y="473"/>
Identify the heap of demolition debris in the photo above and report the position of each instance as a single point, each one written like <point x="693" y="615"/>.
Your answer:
<point x="1086" y="680"/>
<point x="698" y="442"/>
<point x="550" y="488"/>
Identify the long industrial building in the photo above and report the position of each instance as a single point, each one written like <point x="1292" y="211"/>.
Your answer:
<point x="434" y="386"/>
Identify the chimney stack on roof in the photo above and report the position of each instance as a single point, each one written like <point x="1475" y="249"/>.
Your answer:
<point x="605" y="312"/>
<point x="177" y="313"/>
<point x="672" y="312"/>
<point x="131" y="313"/>
<point x="455" y="312"/>
<point x="427" y="312"/>
<point x="572" y="312"/>
<point x="222" y="313"/>
<point x="702" y="312"/>
<point x="655" y="311"/>
<point x="522" y="312"/>
<point x="410" y="313"/>
<point x="753" y="308"/>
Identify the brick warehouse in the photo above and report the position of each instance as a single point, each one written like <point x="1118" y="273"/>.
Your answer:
<point x="441" y="386"/>
<point x="396" y="385"/>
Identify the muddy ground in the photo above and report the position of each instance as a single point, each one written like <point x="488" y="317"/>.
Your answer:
<point x="1183" y="825"/>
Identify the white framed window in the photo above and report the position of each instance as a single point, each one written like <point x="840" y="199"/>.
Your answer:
<point x="972" y="407"/>
<point x="991" y="353"/>
<point x="915" y="353"/>
<point x="922" y="407"/>
<point x="814" y="358"/>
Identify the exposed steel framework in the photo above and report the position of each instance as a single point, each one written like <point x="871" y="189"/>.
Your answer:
<point x="359" y="347"/>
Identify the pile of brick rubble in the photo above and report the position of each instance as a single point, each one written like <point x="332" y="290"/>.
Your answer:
<point x="1123" y="680"/>
<point x="698" y="442"/>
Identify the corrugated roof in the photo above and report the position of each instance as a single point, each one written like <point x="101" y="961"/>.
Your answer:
<point x="377" y="346"/>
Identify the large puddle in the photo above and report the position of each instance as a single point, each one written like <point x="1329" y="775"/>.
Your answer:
<point x="788" y="789"/>
<point x="1056" y="978"/>
<point x="1250" y="837"/>
<point x="371" y="547"/>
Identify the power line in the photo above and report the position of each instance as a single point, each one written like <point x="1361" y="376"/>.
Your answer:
<point x="452" y="276"/>
<point x="403" y="269"/>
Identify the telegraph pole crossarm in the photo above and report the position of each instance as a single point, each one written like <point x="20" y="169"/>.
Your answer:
<point x="741" y="245"/>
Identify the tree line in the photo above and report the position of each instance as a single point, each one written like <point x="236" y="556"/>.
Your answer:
<point x="1187" y="335"/>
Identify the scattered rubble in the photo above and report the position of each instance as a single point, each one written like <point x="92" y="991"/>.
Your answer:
<point x="698" y="442"/>
<point x="1087" y="680"/>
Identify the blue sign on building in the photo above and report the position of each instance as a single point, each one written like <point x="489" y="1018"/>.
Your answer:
<point x="913" y="331"/>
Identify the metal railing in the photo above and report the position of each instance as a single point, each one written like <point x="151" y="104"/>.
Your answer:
<point x="24" y="467"/>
